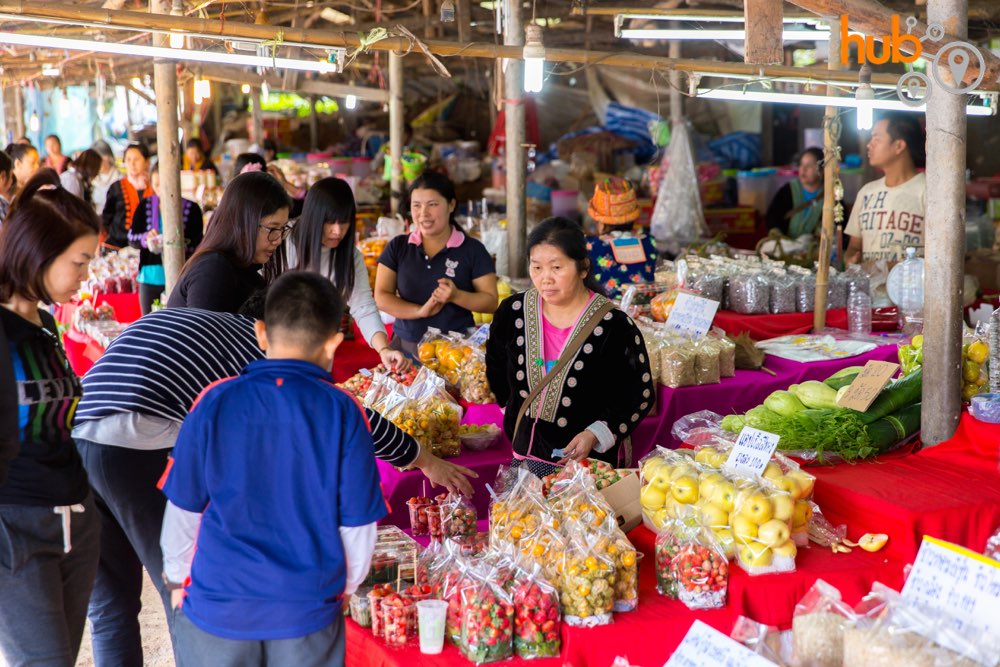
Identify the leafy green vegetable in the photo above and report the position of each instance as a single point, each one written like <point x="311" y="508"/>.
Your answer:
<point x="733" y="423"/>
<point x="886" y="432"/>
<point x="840" y="382"/>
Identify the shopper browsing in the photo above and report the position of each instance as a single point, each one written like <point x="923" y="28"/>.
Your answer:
<point x="49" y="528"/>
<point x="106" y="176"/>
<point x="888" y="215"/>
<point x="26" y="163"/>
<point x="279" y="464"/>
<point x="54" y="158"/>
<point x="122" y="200"/>
<point x="436" y="276"/>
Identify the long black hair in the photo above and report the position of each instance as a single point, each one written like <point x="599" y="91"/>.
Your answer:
<point x="439" y="183"/>
<point x="568" y="237"/>
<point x="328" y="200"/>
<point x="248" y="199"/>
<point x="243" y="159"/>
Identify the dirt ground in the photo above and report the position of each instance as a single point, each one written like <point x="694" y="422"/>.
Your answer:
<point x="155" y="636"/>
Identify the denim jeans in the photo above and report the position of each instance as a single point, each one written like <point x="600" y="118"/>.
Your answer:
<point x="131" y="510"/>
<point x="43" y="589"/>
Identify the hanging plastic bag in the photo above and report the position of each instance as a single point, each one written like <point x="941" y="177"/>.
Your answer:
<point x="678" y="218"/>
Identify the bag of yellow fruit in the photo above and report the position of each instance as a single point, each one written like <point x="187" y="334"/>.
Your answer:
<point x="761" y="524"/>
<point x="587" y="581"/>
<point x="429" y="415"/>
<point x="670" y="479"/>
<point x="545" y="546"/>
<point x="617" y="547"/>
<point x="975" y="365"/>
<point x="518" y="508"/>
<point x="472" y="383"/>
<point x="430" y="348"/>
<point x="575" y="501"/>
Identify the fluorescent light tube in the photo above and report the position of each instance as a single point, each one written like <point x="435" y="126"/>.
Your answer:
<point x="730" y="35"/>
<point x="825" y="100"/>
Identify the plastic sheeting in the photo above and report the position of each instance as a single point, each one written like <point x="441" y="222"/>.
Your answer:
<point x="678" y="218"/>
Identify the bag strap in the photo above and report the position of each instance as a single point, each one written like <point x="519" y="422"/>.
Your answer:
<point x="567" y="355"/>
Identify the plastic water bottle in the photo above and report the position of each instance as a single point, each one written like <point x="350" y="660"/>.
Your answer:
<point x="859" y="314"/>
<point x="911" y="302"/>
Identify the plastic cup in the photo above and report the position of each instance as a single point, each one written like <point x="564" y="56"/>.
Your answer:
<point x="430" y="620"/>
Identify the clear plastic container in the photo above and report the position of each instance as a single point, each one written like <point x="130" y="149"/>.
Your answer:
<point x="859" y="314"/>
<point x="906" y="289"/>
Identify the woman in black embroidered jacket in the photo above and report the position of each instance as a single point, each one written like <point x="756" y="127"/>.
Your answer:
<point x="595" y="401"/>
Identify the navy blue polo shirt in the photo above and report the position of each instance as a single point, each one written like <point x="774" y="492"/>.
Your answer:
<point x="276" y="460"/>
<point x="463" y="259"/>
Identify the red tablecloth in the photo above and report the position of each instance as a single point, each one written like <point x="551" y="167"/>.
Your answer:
<point x="81" y="350"/>
<point x="762" y="327"/>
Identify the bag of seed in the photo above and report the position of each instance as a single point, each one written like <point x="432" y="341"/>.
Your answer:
<point x="818" y="627"/>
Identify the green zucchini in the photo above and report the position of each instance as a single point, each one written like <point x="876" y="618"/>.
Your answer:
<point x="898" y="395"/>
<point x="850" y="370"/>
<point x="840" y="382"/>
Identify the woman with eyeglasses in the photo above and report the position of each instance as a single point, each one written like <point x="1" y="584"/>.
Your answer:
<point x="239" y="253"/>
<point x="323" y="242"/>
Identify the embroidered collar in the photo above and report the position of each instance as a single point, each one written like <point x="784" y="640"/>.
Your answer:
<point x="455" y="240"/>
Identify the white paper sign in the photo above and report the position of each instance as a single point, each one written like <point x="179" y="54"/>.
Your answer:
<point x="479" y="337"/>
<point x="704" y="646"/>
<point x="692" y="315"/>
<point x="752" y="451"/>
<point x="961" y="586"/>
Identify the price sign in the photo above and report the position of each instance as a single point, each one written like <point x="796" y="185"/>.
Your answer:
<point x="628" y="251"/>
<point x="692" y="315"/>
<point x="704" y="646"/>
<point x="960" y="586"/>
<point x="867" y="385"/>
<point x="752" y="451"/>
<point x="479" y="338"/>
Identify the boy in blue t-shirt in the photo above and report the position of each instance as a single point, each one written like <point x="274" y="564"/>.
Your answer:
<point x="277" y="465"/>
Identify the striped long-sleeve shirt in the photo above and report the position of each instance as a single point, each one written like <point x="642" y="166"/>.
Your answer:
<point x="161" y="363"/>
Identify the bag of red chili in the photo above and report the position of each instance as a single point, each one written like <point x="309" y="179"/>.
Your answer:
<point x="700" y="569"/>
<point x="487" y="619"/>
<point x="537" y="617"/>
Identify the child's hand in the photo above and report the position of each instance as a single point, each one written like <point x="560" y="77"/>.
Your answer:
<point x="176" y="598"/>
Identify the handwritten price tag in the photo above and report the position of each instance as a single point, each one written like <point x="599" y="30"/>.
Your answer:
<point x="752" y="451"/>
<point x="628" y="251"/>
<point x="960" y="586"/>
<point x="704" y="646"/>
<point x="867" y="385"/>
<point x="692" y="315"/>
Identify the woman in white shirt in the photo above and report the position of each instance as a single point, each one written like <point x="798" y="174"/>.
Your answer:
<point x="323" y="241"/>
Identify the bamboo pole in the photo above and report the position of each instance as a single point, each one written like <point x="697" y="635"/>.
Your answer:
<point x="682" y="13"/>
<point x="256" y="116"/>
<point x="515" y="156"/>
<point x="328" y="38"/>
<point x="18" y="113"/>
<point x="830" y="172"/>
<point x="168" y="158"/>
<point x="313" y="125"/>
<point x="397" y="122"/>
<point x="944" y="243"/>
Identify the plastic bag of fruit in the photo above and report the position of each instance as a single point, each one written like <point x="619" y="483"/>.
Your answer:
<point x="975" y="367"/>
<point x="993" y="546"/>
<point x="544" y="546"/>
<point x="471" y="374"/>
<point x="458" y="516"/>
<point x="667" y="545"/>
<point x="587" y="582"/>
<point x="431" y="347"/>
<point x="429" y="415"/>
<point x="574" y="501"/>
<point x="604" y="475"/>
<point x="670" y="479"/>
<point x="761" y="522"/>
<point x="700" y="567"/>
<point x="518" y="509"/>
<point x="626" y="560"/>
<point x="537" y="617"/>
<point x="454" y="582"/>
<point x="487" y="628"/>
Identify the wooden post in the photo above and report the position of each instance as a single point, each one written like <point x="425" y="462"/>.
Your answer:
<point x="256" y="117"/>
<point x="18" y="112"/>
<point x="397" y="122"/>
<point x="676" y="96"/>
<point x="313" y="125"/>
<point x="168" y="156"/>
<point x="463" y="16"/>
<point x="831" y="171"/>
<point x="944" y="242"/>
<point x="516" y="162"/>
<point x="763" y="45"/>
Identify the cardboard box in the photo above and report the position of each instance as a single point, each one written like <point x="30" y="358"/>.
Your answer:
<point x="623" y="496"/>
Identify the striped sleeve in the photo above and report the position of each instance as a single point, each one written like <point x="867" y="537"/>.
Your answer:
<point x="391" y="444"/>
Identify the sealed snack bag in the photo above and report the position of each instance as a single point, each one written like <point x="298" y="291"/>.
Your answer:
<point x="537" y="619"/>
<point x="487" y="628"/>
<point x="818" y="627"/>
<point x="699" y="565"/>
<point x="458" y="516"/>
<point x="587" y="584"/>
<point x="761" y="522"/>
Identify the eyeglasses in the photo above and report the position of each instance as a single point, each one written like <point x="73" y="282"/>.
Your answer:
<point x="277" y="233"/>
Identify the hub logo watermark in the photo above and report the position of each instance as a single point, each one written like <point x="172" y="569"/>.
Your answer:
<point x="915" y="88"/>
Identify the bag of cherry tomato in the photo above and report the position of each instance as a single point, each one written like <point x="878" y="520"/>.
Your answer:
<point x="667" y="546"/>
<point x="375" y="597"/>
<point x="458" y="516"/>
<point x="587" y="584"/>
<point x="537" y="618"/>
<point x="399" y="619"/>
<point x="701" y="570"/>
<point x="487" y="619"/>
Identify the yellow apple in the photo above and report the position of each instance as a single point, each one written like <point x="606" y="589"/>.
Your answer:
<point x="757" y="508"/>
<point x="653" y="467"/>
<point x="772" y="472"/>
<point x="803" y="514"/>
<point x="651" y="498"/>
<point x="756" y="554"/>
<point x="789" y="485"/>
<point x="714" y="516"/>
<point x="705" y="454"/>
<point x="682" y="470"/>
<point x="726" y="541"/>
<point x="685" y="489"/>
<point x="806" y="483"/>
<point x="718" y="459"/>
<point x="660" y="482"/>
<point x="773" y="533"/>
<point x="670" y="506"/>
<point x="784" y="506"/>
<point x="660" y="518"/>
<point x="787" y="550"/>
<point x="706" y="487"/>
<point x="744" y="529"/>
<point x="724" y="496"/>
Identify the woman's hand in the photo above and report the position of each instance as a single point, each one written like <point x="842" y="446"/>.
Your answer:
<point x="431" y="308"/>
<point x="579" y="447"/>
<point x="445" y="291"/>
<point x="394" y="360"/>
<point x="453" y="477"/>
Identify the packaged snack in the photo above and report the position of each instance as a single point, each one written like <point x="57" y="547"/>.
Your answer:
<point x="587" y="584"/>
<point x="805" y="293"/>
<point x="418" y="514"/>
<point x="537" y="619"/>
<point x="761" y="522"/>
<point x="818" y="627"/>
<point x="727" y="354"/>
<point x="399" y="619"/>
<point x="458" y="516"/>
<point x="487" y="631"/>
<point x="375" y="597"/>
<point x="700" y="569"/>
<point x="836" y="291"/>
<point x="706" y="362"/>
<point x="361" y="610"/>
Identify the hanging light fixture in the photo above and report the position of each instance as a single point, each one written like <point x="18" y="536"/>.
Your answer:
<point x="34" y="124"/>
<point x="245" y="88"/>
<point x="177" y="38"/>
<point x="351" y="102"/>
<point x="865" y="97"/>
<point x="50" y="70"/>
<point x="534" y="59"/>
<point x="135" y="81"/>
<point x="264" y="90"/>
<point x="202" y="90"/>
<point x="448" y="11"/>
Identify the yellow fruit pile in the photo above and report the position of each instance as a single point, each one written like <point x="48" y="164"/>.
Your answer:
<point x="503" y="291"/>
<point x="761" y="524"/>
<point x="371" y="249"/>
<point x="975" y="377"/>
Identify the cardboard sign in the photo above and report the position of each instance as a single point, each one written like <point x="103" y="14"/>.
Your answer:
<point x="628" y="251"/>
<point x="704" y="646"/>
<point x="867" y="385"/>
<point x="753" y="451"/>
<point x="960" y="586"/>
<point x="692" y="315"/>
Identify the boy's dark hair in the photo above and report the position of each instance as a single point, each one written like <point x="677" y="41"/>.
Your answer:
<point x="254" y="306"/>
<point x="904" y="126"/>
<point x="304" y="306"/>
